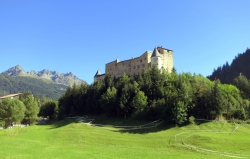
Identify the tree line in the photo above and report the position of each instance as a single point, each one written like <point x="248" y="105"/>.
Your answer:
<point x="158" y="95"/>
<point x="228" y="72"/>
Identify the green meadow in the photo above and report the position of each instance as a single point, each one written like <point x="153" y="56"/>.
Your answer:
<point x="69" y="139"/>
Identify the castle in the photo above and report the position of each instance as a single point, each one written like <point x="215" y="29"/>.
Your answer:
<point x="161" y="58"/>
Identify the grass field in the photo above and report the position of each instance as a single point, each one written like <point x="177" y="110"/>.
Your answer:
<point x="68" y="139"/>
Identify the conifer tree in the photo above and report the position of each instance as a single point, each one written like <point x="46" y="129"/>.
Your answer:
<point x="109" y="101"/>
<point x="31" y="111"/>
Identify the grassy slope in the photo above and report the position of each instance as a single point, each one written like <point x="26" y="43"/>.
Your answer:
<point x="67" y="139"/>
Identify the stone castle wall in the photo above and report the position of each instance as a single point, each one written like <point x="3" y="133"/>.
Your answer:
<point x="135" y="66"/>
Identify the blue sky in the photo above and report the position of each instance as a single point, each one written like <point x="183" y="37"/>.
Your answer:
<point x="81" y="36"/>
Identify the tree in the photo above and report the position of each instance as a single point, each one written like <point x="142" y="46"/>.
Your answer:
<point x="202" y="88"/>
<point x="49" y="109"/>
<point x="32" y="107"/>
<point x="179" y="112"/>
<point x="244" y="85"/>
<point x="126" y="90"/>
<point x="11" y="110"/>
<point x="94" y="92"/>
<point x="139" y="101"/>
<point x="109" y="101"/>
<point x="218" y="100"/>
<point x="31" y="111"/>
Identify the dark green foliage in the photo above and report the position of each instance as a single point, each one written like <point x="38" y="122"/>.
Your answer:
<point x="238" y="74"/>
<point x="93" y="106"/>
<point x="179" y="112"/>
<point x="155" y="95"/>
<point x="139" y="102"/>
<point x="239" y="66"/>
<point x="244" y="85"/>
<point x="71" y="100"/>
<point x="31" y="107"/>
<point x="109" y="101"/>
<point x="127" y="89"/>
<point x="49" y="109"/>
<point x="11" y="110"/>
<point x="20" y="84"/>
<point x="218" y="101"/>
<point x="239" y="114"/>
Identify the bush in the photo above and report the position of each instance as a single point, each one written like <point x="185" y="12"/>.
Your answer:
<point x="239" y="114"/>
<point x="191" y="120"/>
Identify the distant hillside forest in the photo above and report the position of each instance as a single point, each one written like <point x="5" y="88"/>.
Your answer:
<point x="41" y="87"/>
<point x="155" y="95"/>
<point x="239" y="66"/>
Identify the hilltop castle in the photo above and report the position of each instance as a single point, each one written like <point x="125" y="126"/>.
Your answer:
<point x="161" y="58"/>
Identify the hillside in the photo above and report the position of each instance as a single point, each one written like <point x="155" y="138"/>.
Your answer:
<point x="239" y="66"/>
<point x="59" y="78"/>
<point x="68" y="139"/>
<point x="40" y="86"/>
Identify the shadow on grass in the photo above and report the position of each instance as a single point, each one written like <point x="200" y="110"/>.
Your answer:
<point x="142" y="130"/>
<point x="58" y="123"/>
<point x="113" y="124"/>
<point x="128" y="125"/>
<point x="131" y="125"/>
<point x="161" y="127"/>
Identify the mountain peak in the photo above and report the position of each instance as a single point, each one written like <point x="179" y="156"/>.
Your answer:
<point x="59" y="78"/>
<point x="15" y="71"/>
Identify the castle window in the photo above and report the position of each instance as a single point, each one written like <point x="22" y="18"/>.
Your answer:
<point x="138" y="66"/>
<point x="140" y="60"/>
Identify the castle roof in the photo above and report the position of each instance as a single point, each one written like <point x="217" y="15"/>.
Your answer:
<point x="156" y="53"/>
<point x="164" y="48"/>
<point x="98" y="73"/>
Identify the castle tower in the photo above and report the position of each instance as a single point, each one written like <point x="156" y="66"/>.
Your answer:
<point x="156" y="59"/>
<point x="98" y="76"/>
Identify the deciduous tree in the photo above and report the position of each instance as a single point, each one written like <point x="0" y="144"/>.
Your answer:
<point x="11" y="110"/>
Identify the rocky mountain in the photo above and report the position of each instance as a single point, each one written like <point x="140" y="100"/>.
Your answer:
<point x="15" y="71"/>
<point x="59" y="78"/>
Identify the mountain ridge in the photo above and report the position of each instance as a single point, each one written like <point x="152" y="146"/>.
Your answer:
<point x="59" y="78"/>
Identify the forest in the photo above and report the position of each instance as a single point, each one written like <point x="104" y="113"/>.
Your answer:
<point x="228" y="72"/>
<point x="156" y="94"/>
